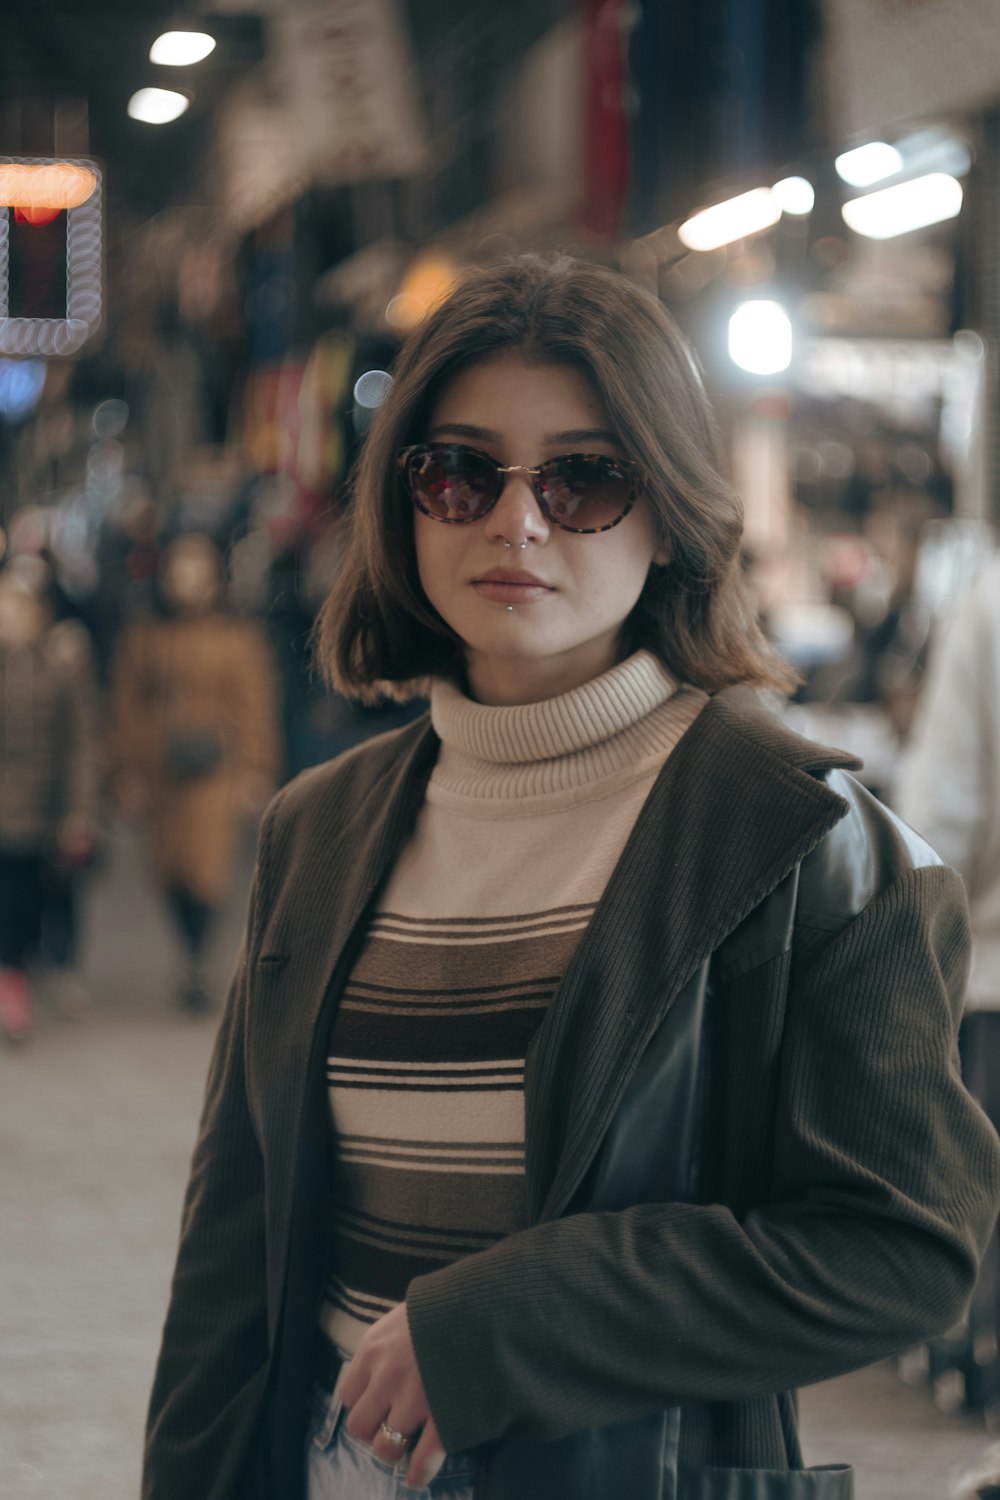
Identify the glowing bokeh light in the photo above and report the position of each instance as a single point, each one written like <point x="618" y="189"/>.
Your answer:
<point x="179" y="49"/>
<point x="21" y="384"/>
<point x="867" y="164"/>
<point x="371" y="388"/>
<point x="45" y="186"/>
<point x="36" y="217"/>
<point x="734" y="219"/>
<point x="760" y="338"/>
<point x="905" y="206"/>
<point x="794" y="195"/>
<point x="427" y="282"/>
<point x="157" y="106"/>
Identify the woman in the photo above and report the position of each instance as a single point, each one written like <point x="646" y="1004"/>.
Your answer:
<point x="193" y="742"/>
<point x="587" y="1083"/>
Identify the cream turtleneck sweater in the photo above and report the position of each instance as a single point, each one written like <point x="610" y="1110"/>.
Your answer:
<point x="526" y="814"/>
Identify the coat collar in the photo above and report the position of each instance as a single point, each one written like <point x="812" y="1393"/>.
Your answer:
<point x="735" y="807"/>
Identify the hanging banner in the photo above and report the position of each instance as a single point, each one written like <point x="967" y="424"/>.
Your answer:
<point x="260" y="160"/>
<point x="606" y="150"/>
<point x="350" y="88"/>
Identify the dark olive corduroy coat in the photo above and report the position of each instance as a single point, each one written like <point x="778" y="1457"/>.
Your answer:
<point x="846" y="1180"/>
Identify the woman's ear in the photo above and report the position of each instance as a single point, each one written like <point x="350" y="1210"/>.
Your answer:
<point x="664" y="554"/>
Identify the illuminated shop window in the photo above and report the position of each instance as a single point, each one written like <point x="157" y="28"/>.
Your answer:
<point x="51" y="267"/>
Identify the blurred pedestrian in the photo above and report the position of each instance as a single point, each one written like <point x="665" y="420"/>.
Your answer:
<point x="950" y="791"/>
<point x="193" y="742"/>
<point x="48" y="775"/>
<point x="587" y="1082"/>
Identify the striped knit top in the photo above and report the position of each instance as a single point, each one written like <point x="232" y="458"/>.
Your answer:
<point x="527" y="812"/>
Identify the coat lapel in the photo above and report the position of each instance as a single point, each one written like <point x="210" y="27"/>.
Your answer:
<point x="733" y="810"/>
<point x="340" y="848"/>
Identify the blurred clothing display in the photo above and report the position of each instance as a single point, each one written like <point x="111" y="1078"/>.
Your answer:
<point x="193" y="741"/>
<point x="48" y="777"/>
<point x="949" y="790"/>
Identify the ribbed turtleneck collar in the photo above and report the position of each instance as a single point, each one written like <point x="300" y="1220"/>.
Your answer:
<point x="614" y="728"/>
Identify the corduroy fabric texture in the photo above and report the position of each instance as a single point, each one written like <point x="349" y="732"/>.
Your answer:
<point x="698" y="1303"/>
<point x="849" y="1181"/>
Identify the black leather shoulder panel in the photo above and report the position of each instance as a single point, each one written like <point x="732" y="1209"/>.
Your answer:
<point x="863" y="854"/>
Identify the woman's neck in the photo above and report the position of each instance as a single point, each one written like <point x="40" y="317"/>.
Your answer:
<point x="503" y="682"/>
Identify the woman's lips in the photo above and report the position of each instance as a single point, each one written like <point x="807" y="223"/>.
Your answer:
<point x="510" y="587"/>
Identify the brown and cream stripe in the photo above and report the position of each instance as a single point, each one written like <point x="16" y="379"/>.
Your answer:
<point x="426" y="1079"/>
<point x="526" y="814"/>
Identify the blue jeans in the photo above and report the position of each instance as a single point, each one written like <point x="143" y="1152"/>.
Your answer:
<point x="342" y="1467"/>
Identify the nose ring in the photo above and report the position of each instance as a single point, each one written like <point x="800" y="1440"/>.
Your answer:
<point x="522" y="545"/>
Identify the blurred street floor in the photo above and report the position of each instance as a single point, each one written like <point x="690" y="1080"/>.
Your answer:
<point x="97" y="1122"/>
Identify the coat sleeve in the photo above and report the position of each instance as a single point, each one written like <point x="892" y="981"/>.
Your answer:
<point x="212" y="1367"/>
<point x="885" y="1182"/>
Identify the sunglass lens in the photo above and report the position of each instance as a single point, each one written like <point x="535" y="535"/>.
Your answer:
<point x="452" y="484"/>
<point x="585" y="492"/>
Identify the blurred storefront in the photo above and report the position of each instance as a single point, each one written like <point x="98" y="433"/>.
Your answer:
<point x="845" y="308"/>
<point x="342" y="160"/>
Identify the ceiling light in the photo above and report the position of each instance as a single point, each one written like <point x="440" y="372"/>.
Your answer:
<point x="760" y="338"/>
<point x="179" y="49"/>
<point x="904" y="206"/>
<point x="732" y="220"/>
<point x="867" y="164"/>
<point x="794" y="195"/>
<point x="157" y="106"/>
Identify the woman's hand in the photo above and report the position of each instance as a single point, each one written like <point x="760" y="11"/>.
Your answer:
<point x="383" y="1385"/>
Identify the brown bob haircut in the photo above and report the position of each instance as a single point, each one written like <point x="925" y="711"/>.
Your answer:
<point x="377" y="632"/>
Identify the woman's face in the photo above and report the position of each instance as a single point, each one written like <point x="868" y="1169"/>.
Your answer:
<point x="567" y="627"/>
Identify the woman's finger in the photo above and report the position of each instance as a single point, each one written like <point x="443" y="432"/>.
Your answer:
<point x="363" y="1418"/>
<point x="427" y="1457"/>
<point x="405" y="1418"/>
<point x="353" y="1382"/>
<point x="393" y="1437"/>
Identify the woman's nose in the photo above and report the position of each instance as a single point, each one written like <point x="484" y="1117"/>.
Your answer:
<point x="517" y="515"/>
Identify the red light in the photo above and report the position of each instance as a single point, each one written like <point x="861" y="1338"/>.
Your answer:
<point x="36" y="216"/>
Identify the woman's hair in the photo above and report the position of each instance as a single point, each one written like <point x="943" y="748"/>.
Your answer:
<point x="377" y="631"/>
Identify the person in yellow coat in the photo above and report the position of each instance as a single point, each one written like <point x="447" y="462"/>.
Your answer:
<point x="194" y="744"/>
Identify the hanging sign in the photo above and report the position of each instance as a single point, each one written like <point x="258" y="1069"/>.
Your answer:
<point x="51" y="265"/>
<point x="351" y="88"/>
